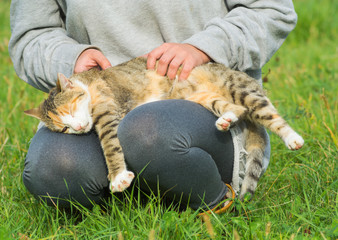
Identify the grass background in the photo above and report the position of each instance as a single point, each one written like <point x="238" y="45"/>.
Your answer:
<point x="296" y="198"/>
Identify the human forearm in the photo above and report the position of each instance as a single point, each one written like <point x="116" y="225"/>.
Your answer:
<point x="39" y="45"/>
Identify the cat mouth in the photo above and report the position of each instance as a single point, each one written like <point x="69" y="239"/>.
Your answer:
<point x="85" y="130"/>
<point x="82" y="128"/>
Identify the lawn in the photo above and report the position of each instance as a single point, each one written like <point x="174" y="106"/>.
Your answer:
<point x="296" y="198"/>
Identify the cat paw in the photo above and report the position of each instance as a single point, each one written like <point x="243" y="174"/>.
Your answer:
<point x="121" y="181"/>
<point x="225" y="121"/>
<point x="294" y="141"/>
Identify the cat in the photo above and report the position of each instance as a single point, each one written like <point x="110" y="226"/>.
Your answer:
<point x="101" y="98"/>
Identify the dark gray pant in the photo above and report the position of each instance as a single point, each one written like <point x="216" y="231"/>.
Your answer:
<point x="171" y="145"/>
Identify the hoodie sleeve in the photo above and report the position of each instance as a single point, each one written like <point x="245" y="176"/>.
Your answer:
<point x="247" y="37"/>
<point x="39" y="46"/>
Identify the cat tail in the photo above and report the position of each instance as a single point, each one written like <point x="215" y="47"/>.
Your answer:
<point x="256" y="141"/>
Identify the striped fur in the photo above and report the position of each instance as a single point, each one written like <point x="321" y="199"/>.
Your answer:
<point x="229" y="94"/>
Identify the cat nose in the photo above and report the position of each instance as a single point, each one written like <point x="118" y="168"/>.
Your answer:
<point x="80" y="126"/>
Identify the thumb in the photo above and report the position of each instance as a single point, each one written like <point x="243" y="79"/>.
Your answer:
<point x="101" y="60"/>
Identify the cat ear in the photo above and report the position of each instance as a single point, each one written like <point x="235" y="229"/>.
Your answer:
<point x="63" y="82"/>
<point x="34" y="112"/>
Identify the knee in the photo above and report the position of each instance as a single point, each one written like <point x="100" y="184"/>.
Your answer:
<point x="148" y="131"/>
<point x="64" y="166"/>
<point x="138" y="128"/>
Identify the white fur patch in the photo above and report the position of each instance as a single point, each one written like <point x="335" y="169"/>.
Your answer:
<point x="121" y="181"/>
<point x="152" y="99"/>
<point x="293" y="141"/>
<point x="80" y="121"/>
<point x="225" y="121"/>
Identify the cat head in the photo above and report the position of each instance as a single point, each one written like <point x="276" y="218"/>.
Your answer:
<point x="67" y="108"/>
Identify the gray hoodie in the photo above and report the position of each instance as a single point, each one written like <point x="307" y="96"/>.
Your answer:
<point x="49" y="35"/>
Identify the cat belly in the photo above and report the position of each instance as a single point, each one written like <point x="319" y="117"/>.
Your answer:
<point x="152" y="98"/>
<point x="149" y="100"/>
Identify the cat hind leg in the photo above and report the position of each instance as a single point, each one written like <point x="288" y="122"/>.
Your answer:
<point x="279" y="126"/>
<point x="224" y="122"/>
<point x="228" y="112"/>
<point x="265" y="114"/>
<point x="294" y="141"/>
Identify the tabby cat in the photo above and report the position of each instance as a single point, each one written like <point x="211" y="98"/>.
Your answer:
<point x="102" y="98"/>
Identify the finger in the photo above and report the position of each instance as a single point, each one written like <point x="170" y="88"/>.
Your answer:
<point x="174" y="66"/>
<point x="101" y="60"/>
<point x="151" y="62"/>
<point x="186" y="70"/>
<point x="153" y="56"/>
<point x="163" y="63"/>
<point x="80" y="68"/>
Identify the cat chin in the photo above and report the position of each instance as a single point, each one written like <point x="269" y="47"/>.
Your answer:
<point x="88" y="128"/>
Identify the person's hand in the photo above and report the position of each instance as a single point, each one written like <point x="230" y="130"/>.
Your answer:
<point x="91" y="58"/>
<point x="171" y="56"/>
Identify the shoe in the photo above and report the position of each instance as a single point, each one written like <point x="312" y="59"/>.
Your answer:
<point x="224" y="206"/>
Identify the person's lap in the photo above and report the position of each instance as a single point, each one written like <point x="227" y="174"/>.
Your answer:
<point x="172" y="144"/>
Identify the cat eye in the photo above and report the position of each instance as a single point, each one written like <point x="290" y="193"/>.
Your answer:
<point x="79" y="96"/>
<point x="64" y="129"/>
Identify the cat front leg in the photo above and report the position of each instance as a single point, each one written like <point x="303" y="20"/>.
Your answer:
<point x="106" y="124"/>
<point x="121" y="181"/>
<point x="119" y="177"/>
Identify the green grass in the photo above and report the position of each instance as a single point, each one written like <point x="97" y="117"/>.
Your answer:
<point x="296" y="198"/>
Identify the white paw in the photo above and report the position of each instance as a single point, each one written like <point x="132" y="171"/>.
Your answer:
<point x="121" y="181"/>
<point x="294" y="141"/>
<point x="225" y="121"/>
